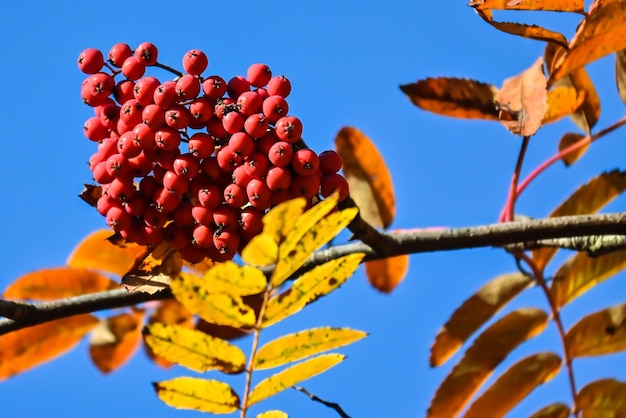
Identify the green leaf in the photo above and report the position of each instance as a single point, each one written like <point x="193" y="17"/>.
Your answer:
<point x="293" y="375"/>
<point x="194" y="349"/>
<point x="310" y="286"/>
<point x="299" y="345"/>
<point x="200" y="394"/>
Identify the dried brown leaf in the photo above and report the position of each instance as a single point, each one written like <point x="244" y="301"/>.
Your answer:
<point x="475" y="312"/>
<point x="456" y="97"/>
<point x="620" y="73"/>
<point x="567" y="141"/>
<point x="527" y="31"/>
<point x="602" y="398"/>
<point x="546" y="5"/>
<point x="155" y="271"/>
<point x="555" y="410"/>
<point x="522" y="100"/>
<point x="514" y="385"/>
<point x="115" y="340"/>
<point x="370" y="182"/>
<point x="479" y="361"/>
<point x="602" y="332"/>
<point x="589" y="198"/>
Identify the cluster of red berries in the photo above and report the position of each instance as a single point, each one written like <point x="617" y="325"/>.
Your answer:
<point x="196" y="161"/>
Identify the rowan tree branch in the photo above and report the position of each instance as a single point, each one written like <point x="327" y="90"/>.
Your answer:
<point x="595" y="230"/>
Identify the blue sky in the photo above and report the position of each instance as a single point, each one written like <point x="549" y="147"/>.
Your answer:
<point x="345" y="61"/>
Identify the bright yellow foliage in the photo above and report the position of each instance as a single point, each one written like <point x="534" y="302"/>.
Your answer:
<point x="228" y="277"/>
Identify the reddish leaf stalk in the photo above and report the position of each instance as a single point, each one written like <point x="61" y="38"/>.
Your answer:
<point x="508" y="213"/>
<point x="556" y="316"/>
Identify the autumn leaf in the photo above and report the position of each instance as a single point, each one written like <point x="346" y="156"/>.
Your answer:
<point x="155" y="271"/>
<point x="367" y="174"/>
<point x="26" y="348"/>
<point x="602" y="398"/>
<point x="96" y="252"/>
<point x="581" y="272"/>
<point x="309" y="287"/>
<point x="293" y="375"/>
<point x="169" y="312"/>
<point x="203" y="395"/>
<point x="567" y="141"/>
<point x="228" y="277"/>
<point x="599" y="333"/>
<point x="489" y="349"/>
<point x="218" y="308"/>
<point x="58" y="283"/>
<point x="273" y="414"/>
<point x="555" y="410"/>
<point x="261" y="251"/>
<point x="475" y="312"/>
<point x="514" y="385"/>
<point x="589" y="198"/>
<point x="620" y="73"/>
<point x="546" y="5"/>
<point x="193" y="349"/>
<point x="562" y="101"/>
<point x="456" y="97"/>
<point x="387" y="273"/>
<point x="602" y="32"/>
<point x="114" y="341"/>
<point x="294" y="347"/>
<point x="522" y="100"/>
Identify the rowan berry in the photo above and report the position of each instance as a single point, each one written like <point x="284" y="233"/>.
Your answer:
<point x="235" y="195"/>
<point x="109" y="115"/>
<point x="215" y="128"/>
<point x="201" y="145"/>
<point x="133" y="68"/>
<point x="240" y="176"/>
<point x="233" y="122"/>
<point x="141" y="164"/>
<point x="225" y="105"/>
<point x="262" y="92"/>
<point x="130" y="113"/>
<point x="256" y="125"/>
<point x="278" y="178"/>
<point x="154" y="218"/>
<point x="214" y="87"/>
<point x="165" y="157"/>
<point x="187" y="87"/>
<point x="249" y="103"/>
<point x="289" y="129"/>
<point x="136" y="205"/>
<point x="193" y="254"/>
<point x="147" y="53"/>
<point x="236" y="86"/>
<point x="259" y="194"/>
<point x="202" y="215"/>
<point x="256" y="165"/>
<point x="334" y="182"/>
<point x="167" y="138"/>
<point x="280" y="154"/>
<point x="177" y="116"/>
<point x="210" y="196"/>
<point x="305" y="162"/>
<point x="226" y="217"/>
<point x="90" y="61"/>
<point x="201" y="109"/>
<point x="144" y="90"/>
<point x="105" y="203"/>
<point x="203" y="236"/>
<point x="127" y="146"/>
<point x="118" y="166"/>
<point x="305" y="186"/>
<point x="265" y="143"/>
<point x="94" y="129"/>
<point x="121" y="189"/>
<point x="153" y="116"/>
<point x="165" y="95"/>
<point x="251" y="221"/>
<point x="227" y="159"/>
<point x="274" y="108"/>
<point x="195" y="62"/>
<point x="259" y="75"/>
<point x="176" y="236"/>
<point x="186" y="166"/>
<point x="118" y="54"/>
<point x="330" y="162"/>
<point x="279" y="85"/>
<point x="123" y="91"/>
<point x="166" y="202"/>
<point x="100" y="173"/>
<point x="241" y="144"/>
<point x="175" y="184"/>
<point x="182" y="215"/>
<point x="117" y="218"/>
<point x="227" y="242"/>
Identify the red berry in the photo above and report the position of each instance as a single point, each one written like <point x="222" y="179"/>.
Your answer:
<point x="305" y="162"/>
<point x="279" y="85"/>
<point x="259" y="75"/>
<point x="165" y="95"/>
<point x="101" y="85"/>
<point x="280" y="154"/>
<point x="201" y="145"/>
<point x="154" y="218"/>
<point x="176" y="235"/>
<point x="153" y="116"/>
<point x="259" y="194"/>
<point x="166" y="202"/>
<point x="147" y="53"/>
<point x="214" y="87"/>
<point x="265" y="143"/>
<point x="130" y="113"/>
<point x="133" y="69"/>
<point x="241" y="144"/>
<point x="118" y="54"/>
<point x="227" y="159"/>
<point x="201" y="109"/>
<point x="136" y="205"/>
<point x="210" y="196"/>
<point x="227" y="242"/>
<point x="123" y="91"/>
<point x="109" y="115"/>
<point x="224" y="106"/>
<point x="256" y="125"/>
<point x="251" y="221"/>
<point x="100" y="173"/>
<point x="121" y="189"/>
<point x="167" y="138"/>
<point x="148" y="186"/>
<point x="94" y="129"/>
<point x="249" y="103"/>
<point x="274" y="108"/>
<point x="256" y="165"/>
<point x="182" y="215"/>
<point x="127" y="146"/>
<point x="144" y="90"/>
<point x="334" y="182"/>
<point x="289" y="129"/>
<point x="330" y="162"/>
<point x="233" y="122"/>
<point x="195" y="62"/>
<point x="177" y="116"/>
<point x="235" y="195"/>
<point x="203" y="236"/>
<point x="175" y="184"/>
<point x="90" y="61"/>
<point x="278" y="178"/>
<point x="187" y="87"/>
<point x="193" y="254"/>
<point x="117" y="218"/>
<point x="236" y="86"/>
<point x="186" y="166"/>
<point x="215" y="128"/>
<point x="226" y="217"/>
<point x="141" y="164"/>
<point x="166" y="157"/>
<point x="143" y="136"/>
<point x="305" y="186"/>
<point x="118" y="166"/>
<point x="240" y="176"/>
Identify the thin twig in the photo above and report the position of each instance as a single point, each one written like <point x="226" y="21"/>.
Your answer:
<point x="332" y="405"/>
<point x="508" y="212"/>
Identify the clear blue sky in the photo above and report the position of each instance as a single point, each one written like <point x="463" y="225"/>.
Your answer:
<point x="345" y="61"/>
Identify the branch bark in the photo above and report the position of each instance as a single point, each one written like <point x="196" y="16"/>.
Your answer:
<point x="520" y="234"/>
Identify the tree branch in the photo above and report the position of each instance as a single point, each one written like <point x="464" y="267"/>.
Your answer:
<point x="588" y="228"/>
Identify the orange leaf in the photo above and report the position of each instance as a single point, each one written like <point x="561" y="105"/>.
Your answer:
<point x="370" y="182"/>
<point x="169" y="312"/>
<point x="29" y="347"/>
<point x="567" y="141"/>
<point x="488" y="350"/>
<point x="514" y="385"/>
<point x="387" y="273"/>
<point x="522" y="100"/>
<point x="599" y="333"/>
<point x="562" y="101"/>
<point x="620" y="73"/>
<point x="115" y="340"/>
<point x="90" y="194"/>
<point x="154" y="271"/>
<point x="587" y="199"/>
<point x="456" y="97"/>
<point x="602" y="32"/>
<point x="527" y="31"/>
<point x="96" y="252"/>
<point x="546" y="5"/>
<point x="58" y="283"/>
<point x="555" y="410"/>
<point x="602" y="398"/>
<point x="473" y="314"/>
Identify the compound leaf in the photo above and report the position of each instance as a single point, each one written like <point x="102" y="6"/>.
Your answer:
<point x="203" y="395"/>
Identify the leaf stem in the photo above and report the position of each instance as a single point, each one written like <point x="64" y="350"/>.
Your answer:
<point x="168" y="68"/>
<point x="331" y="405"/>
<point x="508" y="212"/>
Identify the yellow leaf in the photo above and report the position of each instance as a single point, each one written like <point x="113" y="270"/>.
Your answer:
<point x="489" y="349"/>
<point x="193" y="349"/>
<point x="279" y="221"/>
<point x="371" y="186"/>
<point x="474" y="312"/>
<point x="29" y="347"/>
<point x="58" y="283"/>
<point x="169" y="312"/>
<point x="599" y="333"/>
<point x="96" y="252"/>
<point x="299" y="345"/>
<point x="262" y="250"/>
<point x="216" y="308"/>
<point x="293" y="375"/>
<point x="228" y="277"/>
<point x="273" y="414"/>
<point x="298" y="248"/>
<point x="514" y="385"/>
<point x="114" y="341"/>
<point x="387" y="273"/>
<point x="562" y="101"/>
<point x="551" y="5"/>
<point x="602" y="398"/>
<point x="203" y="395"/>
<point x="456" y="97"/>
<point x="555" y="410"/>
<point x="310" y="286"/>
<point x="602" y="32"/>
<point x="523" y="100"/>
<point x="581" y="272"/>
<point x="587" y="199"/>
